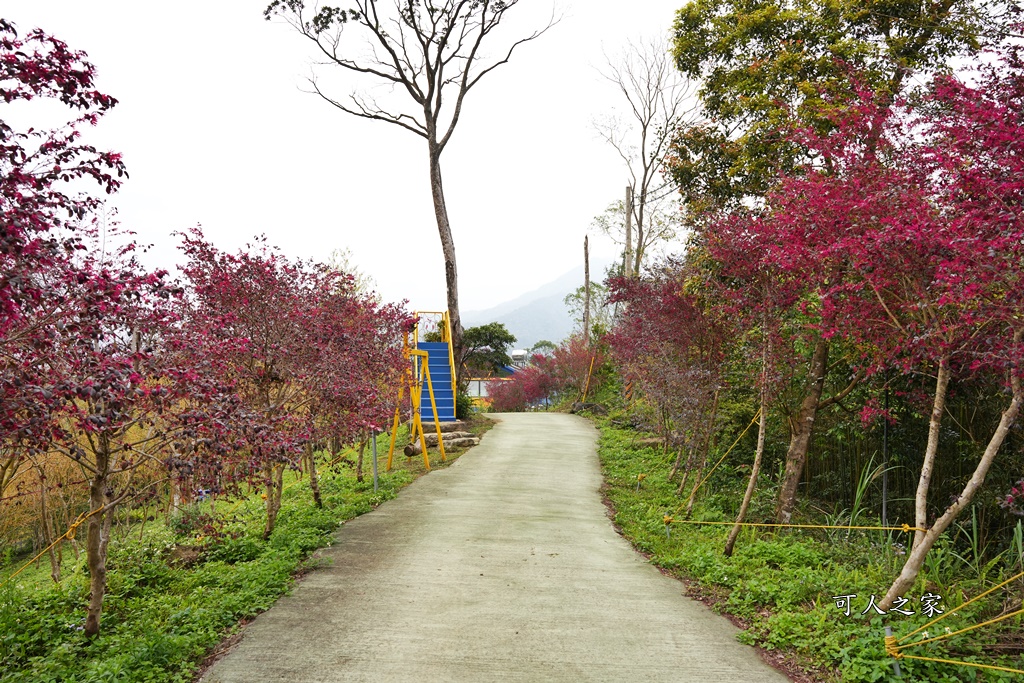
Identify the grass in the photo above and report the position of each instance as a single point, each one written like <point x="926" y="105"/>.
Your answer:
<point x="176" y="591"/>
<point x="780" y="585"/>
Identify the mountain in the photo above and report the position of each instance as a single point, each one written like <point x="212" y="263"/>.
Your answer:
<point x="539" y="314"/>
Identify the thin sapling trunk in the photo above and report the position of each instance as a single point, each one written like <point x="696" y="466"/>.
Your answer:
<point x="916" y="556"/>
<point x="755" y="470"/>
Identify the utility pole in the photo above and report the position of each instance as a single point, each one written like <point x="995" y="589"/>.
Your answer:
<point x="586" y="290"/>
<point x="627" y="267"/>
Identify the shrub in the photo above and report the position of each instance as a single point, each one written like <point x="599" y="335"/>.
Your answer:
<point x="463" y="406"/>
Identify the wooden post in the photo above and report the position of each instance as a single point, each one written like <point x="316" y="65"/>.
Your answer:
<point x="586" y="290"/>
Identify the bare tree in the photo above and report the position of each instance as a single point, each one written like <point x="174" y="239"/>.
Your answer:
<point x="431" y="51"/>
<point x="659" y="101"/>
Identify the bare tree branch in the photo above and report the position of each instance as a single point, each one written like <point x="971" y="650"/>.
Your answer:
<point x="373" y="112"/>
<point x="659" y="102"/>
<point x="432" y="50"/>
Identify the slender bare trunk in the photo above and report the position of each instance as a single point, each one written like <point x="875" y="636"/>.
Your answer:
<point x="800" y="436"/>
<point x="666" y="428"/>
<point x="696" y="485"/>
<point x="44" y="513"/>
<point x="274" y="486"/>
<point x="173" y="500"/>
<point x="451" y="276"/>
<point x="359" y="461"/>
<point x="934" y="428"/>
<point x="314" y="479"/>
<point x="754" y="471"/>
<point x="691" y="453"/>
<point x="640" y="227"/>
<point x="678" y="463"/>
<point x="96" y="540"/>
<point x="916" y="557"/>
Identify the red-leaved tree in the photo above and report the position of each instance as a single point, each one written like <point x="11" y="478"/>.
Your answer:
<point x="309" y="357"/>
<point x="673" y="346"/>
<point x="38" y="214"/>
<point x="911" y="244"/>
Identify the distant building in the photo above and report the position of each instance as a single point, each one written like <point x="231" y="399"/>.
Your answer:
<point x="520" y="358"/>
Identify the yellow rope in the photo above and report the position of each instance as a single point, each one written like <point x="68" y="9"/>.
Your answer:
<point x="950" y="661"/>
<point x="946" y="614"/>
<point x="73" y="529"/>
<point x="69" y="534"/>
<point x="590" y="372"/>
<point x="904" y="528"/>
<point x="963" y="630"/>
<point x="893" y="649"/>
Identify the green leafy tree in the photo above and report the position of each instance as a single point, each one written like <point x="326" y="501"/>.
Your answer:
<point x="543" y="347"/>
<point x="767" y="64"/>
<point x="771" y="67"/>
<point x="601" y="312"/>
<point x="485" y="349"/>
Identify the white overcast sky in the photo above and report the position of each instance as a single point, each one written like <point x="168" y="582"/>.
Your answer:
<point x="215" y="129"/>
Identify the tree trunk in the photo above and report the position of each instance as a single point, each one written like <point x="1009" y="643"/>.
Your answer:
<point x="666" y="428"/>
<point x="96" y="543"/>
<point x="359" y="461"/>
<point x="679" y="462"/>
<point x="915" y="559"/>
<point x="752" y="484"/>
<point x="44" y="513"/>
<point x="275" y="485"/>
<point x="800" y="437"/>
<point x="934" y="428"/>
<point x="451" y="276"/>
<point x="691" y="456"/>
<point x="314" y="480"/>
<point x="640" y="228"/>
<point x="696" y="485"/>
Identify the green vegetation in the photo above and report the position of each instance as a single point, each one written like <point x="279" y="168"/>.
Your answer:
<point x="780" y="585"/>
<point x="176" y="589"/>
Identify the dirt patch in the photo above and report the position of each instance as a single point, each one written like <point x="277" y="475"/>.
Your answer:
<point x="184" y="555"/>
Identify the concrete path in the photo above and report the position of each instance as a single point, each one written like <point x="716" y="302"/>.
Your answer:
<point x="503" y="567"/>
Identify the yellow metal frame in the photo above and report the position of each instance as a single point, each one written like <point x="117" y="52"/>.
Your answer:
<point x="445" y="328"/>
<point x="419" y="368"/>
<point x="451" y="351"/>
